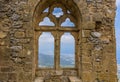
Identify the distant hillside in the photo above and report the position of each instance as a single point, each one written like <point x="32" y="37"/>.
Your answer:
<point x="119" y="75"/>
<point x="48" y="60"/>
<point x="118" y="71"/>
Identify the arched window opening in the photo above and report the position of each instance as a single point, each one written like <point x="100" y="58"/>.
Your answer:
<point x="46" y="50"/>
<point x="57" y="12"/>
<point x="68" y="23"/>
<point x="46" y="22"/>
<point x="56" y="46"/>
<point x="68" y="11"/>
<point x="46" y="10"/>
<point x="67" y="50"/>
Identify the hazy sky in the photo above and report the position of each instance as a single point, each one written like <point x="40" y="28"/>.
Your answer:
<point x="117" y="27"/>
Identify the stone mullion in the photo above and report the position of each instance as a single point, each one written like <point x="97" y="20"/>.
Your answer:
<point x="55" y="47"/>
<point x="57" y="51"/>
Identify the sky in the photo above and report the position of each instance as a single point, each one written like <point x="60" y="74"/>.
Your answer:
<point x="46" y="40"/>
<point x="117" y="28"/>
<point x="67" y="49"/>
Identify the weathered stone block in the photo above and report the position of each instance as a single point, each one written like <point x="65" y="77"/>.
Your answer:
<point x="2" y="34"/>
<point x="3" y="50"/>
<point x="28" y="67"/>
<point x="86" y="33"/>
<point x="87" y="67"/>
<point x="6" y="63"/>
<point x="16" y="48"/>
<point x="84" y="40"/>
<point x="5" y="25"/>
<point x="23" y="77"/>
<point x="15" y="17"/>
<point x="29" y="33"/>
<point x="89" y="25"/>
<point x="86" y="58"/>
<point x="105" y="40"/>
<point x="26" y="18"/>
<point x="17" y="24"/>
<point x="24" y="41"/>
<point x="7" y="69"/>
<point x="3" y="77"/>
<point x="39" y="79"/>
<point x="96" y="34"/>
<point x="12" y="76"/>
<point x="87" y="46"/>
<point x="4" y="42"/>
<point x="19" y="34"/>
<point x="97" y="17"/>
<point x="87" y="77"/>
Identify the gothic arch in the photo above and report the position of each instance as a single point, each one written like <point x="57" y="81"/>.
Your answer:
<point x="71" y="5"/>
<point x="66" y="5"/>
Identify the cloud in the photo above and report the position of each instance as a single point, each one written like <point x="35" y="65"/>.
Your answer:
<point x="117" y="28"/>
<point x="50" y="52"/>
<point x="67" y="57"/>
<point x="118" y="67"/>
<point x="118" y="37"/>
<point x="118" y="41"/>
<point x="67" y="38"/>
<point x="47" y="37"/>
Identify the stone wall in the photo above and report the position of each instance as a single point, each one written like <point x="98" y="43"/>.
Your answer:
<point x="16" y="41"/>
<point x="97" y="61"/>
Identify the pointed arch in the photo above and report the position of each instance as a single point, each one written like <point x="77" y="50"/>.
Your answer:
<point x="44" y="4"/>
<point x="67" y="50"/>
<point x="46" y="50"/>
<point x="41" y="11"/>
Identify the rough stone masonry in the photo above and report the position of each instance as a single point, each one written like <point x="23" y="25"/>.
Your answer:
<point x="96" y="45"/>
